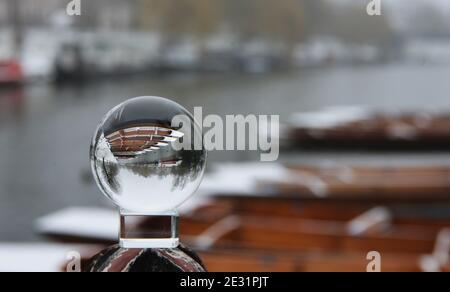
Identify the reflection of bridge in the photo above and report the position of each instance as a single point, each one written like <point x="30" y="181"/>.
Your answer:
<point x="134" y="141"/>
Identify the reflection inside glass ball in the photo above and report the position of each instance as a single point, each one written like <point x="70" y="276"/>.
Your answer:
<point x="135" y="161"/>
<point x="132" y="142"/>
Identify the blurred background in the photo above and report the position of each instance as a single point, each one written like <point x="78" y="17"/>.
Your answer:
<point x="363" y="102"/>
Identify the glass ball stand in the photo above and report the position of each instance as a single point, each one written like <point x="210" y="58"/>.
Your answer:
<point x="158" y="231"/>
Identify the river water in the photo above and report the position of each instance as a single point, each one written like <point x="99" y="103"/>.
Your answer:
<point x="45" y="131"/>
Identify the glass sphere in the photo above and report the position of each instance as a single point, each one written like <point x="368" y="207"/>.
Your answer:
<point x="143" y="161"/>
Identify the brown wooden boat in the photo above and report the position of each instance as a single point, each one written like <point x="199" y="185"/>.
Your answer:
<point x="365" y="209"/>
<point x="269" y="234"/>
<point x="253" y="238"/>
<point x="254" y="261"/>
<point x="289" y="234"/>
<point x="375" y="183"/>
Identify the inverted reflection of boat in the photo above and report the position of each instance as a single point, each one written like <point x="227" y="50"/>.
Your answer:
<point x="10" y="72"/>
<point x="354" y="127"/>
<point x="134" y="141"/>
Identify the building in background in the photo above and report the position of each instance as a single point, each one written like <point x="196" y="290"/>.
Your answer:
<point x="114" y="36"/>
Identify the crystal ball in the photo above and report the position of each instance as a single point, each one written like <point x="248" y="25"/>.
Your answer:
<point x="147" y="155"/>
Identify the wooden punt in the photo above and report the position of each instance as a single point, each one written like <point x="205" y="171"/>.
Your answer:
<point x="255" y="261"/>
<point x="302" y="235"/>
<point x="375" y="183"/>
<point x="274" y="234"/>
<point x="375" y="130"/>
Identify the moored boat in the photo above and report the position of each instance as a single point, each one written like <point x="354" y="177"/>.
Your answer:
<point x="10" y="72"/>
